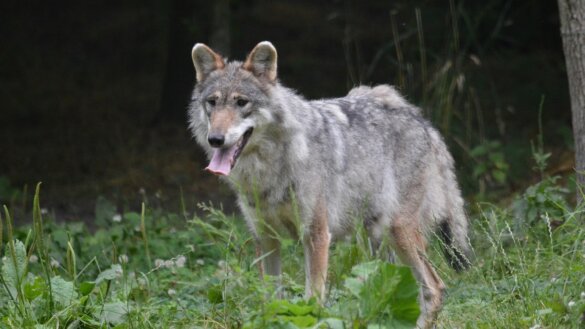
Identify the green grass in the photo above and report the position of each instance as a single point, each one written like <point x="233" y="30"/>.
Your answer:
<point x="158" y="269"/>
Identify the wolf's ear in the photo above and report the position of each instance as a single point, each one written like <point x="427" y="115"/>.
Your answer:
<point x="262" y="61"/>
<point x="205" y="61"/>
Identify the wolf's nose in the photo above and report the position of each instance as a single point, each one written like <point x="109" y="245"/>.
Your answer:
<point x="216" y="140"/>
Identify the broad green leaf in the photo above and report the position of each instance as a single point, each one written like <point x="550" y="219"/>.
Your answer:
<point x="83" y="299"/>
<point x="499" y="176"/>
<point x="502" y="165"/>
<point x="63" y="291"/>
<point x="404" y="305"/>
<point x="114" y="313"/>
<point x="114" y="272"/>
<point x="496" y="157"/>
<point x="354" y="285"/>
<point x="478" y="151"/>
<point x="14" y="266"/>
<point x="385" y="293"/>
<point x="365" y="269"/>
<point x="479" y="170"/>
<point x="34" y="289"/>
<point x="360" y="274"/>
<point x="284" y="307"/>
<point x="85" y="288"/>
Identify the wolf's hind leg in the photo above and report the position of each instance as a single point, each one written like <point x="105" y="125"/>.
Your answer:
<point x="410" y="245"/>
<point x="316" y="245"/>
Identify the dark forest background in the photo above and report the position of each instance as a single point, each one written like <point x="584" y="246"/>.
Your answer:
<point x="93" y="95"/>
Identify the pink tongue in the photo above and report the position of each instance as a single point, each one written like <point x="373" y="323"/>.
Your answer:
<point x="221" y="162"/>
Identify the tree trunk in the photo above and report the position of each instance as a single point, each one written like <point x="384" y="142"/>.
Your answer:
<point x="572" y="14"/>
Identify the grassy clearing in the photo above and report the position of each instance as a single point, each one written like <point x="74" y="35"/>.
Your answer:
<point x="157" y="269"/>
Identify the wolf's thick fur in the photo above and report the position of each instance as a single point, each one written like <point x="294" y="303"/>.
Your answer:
<point x="318" y="165"/>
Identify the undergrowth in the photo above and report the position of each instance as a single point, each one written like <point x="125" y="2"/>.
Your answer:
<point x="157" y="269"/>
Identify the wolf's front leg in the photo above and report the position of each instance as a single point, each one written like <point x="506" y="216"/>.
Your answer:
<point x="316" y="245"/>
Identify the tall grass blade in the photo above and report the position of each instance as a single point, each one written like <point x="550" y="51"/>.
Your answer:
<point x="144" y="235"/>
<point x="13" y="269"/>
<point x="40" y="243"/>
<point x="399" y="55"/>
<point x="423" y="54"/>
<point x="71" y="260"/>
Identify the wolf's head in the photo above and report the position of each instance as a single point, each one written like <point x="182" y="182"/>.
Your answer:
<point x="230" y="100"/>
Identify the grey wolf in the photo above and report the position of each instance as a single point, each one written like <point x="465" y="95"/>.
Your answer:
<point x="368" y="155"/>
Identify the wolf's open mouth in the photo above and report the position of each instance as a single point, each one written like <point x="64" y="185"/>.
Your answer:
<point x="224" y="159"/>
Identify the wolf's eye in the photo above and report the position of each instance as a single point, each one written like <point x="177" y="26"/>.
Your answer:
<point x="241" y="102"/>
<point x="211" y="102"/>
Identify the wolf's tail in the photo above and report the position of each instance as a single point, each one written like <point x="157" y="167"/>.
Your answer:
<point x="456" y="246"/>
<point x="454" y="233"/>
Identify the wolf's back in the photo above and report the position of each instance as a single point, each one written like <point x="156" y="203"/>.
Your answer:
<point x="386" y="95"/>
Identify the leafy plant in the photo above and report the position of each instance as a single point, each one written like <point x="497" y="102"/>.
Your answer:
<point x="492" y="167"/>
<point x="542" y="203"/>
<point x="204" y="273"/>
<point x="538" y="154"/>
<point x="383" y="294"/>
<point x="287" y="314"/>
